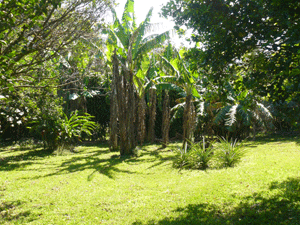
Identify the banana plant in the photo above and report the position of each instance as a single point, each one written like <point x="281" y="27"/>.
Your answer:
<point x="175" y="74"/>
<point x="127" y="45"/>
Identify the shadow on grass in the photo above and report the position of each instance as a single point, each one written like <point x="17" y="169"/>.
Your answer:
<point x="23" y="159"/>
<point x="277" y="137"/>
<point x="105" y="162"/>
<point x="159" y="159"/>
<point x="282" y="208"/>
<point x="91" y="160"/>
<point x="10" y="212"/>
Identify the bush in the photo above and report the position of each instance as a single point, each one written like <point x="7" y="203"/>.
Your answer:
<point x="47" y="129"/>
<point x="229" y="153"/>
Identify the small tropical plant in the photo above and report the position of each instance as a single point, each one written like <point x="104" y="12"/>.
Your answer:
<point x="230" y="152"/>
<point x="61" y="132"/>
<point x="72" y="128"/>
<point x="46" y="126"/>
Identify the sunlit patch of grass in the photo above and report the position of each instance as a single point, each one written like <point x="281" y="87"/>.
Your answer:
<point x="95" y="186"/>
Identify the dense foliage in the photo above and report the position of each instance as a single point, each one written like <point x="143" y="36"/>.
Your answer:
<point x="58" y="57"/>
<point x="230" y="30"/>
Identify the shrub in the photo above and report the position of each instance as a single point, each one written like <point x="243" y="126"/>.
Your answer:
<point x="230" y="153"/>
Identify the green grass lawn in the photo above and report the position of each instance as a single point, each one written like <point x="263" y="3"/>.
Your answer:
<point x="95" y="186"/>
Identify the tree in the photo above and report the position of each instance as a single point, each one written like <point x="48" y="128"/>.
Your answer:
<point x="34" y="32"/>
<point x="227" y="30"/>
<point x="128" y="44"/>
<point x="34" y="36"/>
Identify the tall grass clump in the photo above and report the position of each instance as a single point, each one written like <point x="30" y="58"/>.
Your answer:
<point x="197" y="157"/>
<point x="181" y="159"/>
<point x="230" y="153"/>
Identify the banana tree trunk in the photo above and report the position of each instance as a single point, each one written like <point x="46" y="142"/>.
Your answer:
<point x="141" y="114"/>
<point x="126" y="108"/>
<point x="130" y="114"/>
<point x="188" y="122"/>
<point x="166" y="120"/>
<point x="152" y="115"/>
<point x="113" y="125"/>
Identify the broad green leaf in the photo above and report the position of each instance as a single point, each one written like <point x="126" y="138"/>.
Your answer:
<point x="195" y="93"/>
<point x="167" y="86"/>
<point x="141" y="33"/>
<point x="243" y="95"/>
<point x="152" y="44"/>
<point x="128" y="18"/>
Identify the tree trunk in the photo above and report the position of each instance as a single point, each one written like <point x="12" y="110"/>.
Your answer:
<point x="126" y="108"/>
<point x="152" y="115"/>
<point x="141" y="113"/>
<point x="166" y="120"/>
<point x="188" y="122"/>
<point x="113" y="125"/>
<point x="122" y="102"/>
<point x="130" y="114"/>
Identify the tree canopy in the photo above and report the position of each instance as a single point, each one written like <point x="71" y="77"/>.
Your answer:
<point x="231" y="31"/>
<point x="33" y="32"/>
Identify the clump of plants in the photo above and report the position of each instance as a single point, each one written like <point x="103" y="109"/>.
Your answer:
<point x="230" y="153"/>
<point x="61" y="132"/>
<point x="181" y="159"/>
<point x="201" y="155"/>
<point x="198" y="156"/>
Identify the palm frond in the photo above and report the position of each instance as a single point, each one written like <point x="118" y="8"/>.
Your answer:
<point x="246" y="115"/>
<point x="167" y="86"/>
<point x="114" y="39"/>
<point x="231" y="115"/>
<point x="168" y="54"/>
<point x="139" y="85"/>
<point x="256" y="117"/>
<point x="222" y="114"/>
<point x="141" y="30"/>
<point x="169" y="66"/>
<point x="128" y="18"/>
<point x="178" y="111"/>
<point x="119" y="30"/>
<point x="152" y="44"/>
<point x="176" y="107"/>
<point x="148" y="38"/>
<point x="266" y="112"/>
